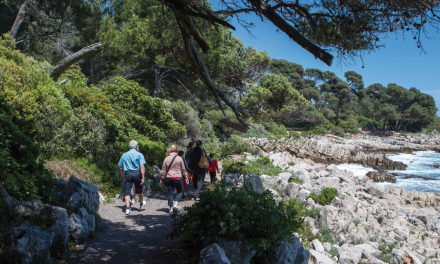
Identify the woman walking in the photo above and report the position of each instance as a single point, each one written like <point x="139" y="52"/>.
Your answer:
<point x="173" y="169"/>
<point x="213" y="167"/>
<point x="180" y="154"/>
<point x="188" y="153"/>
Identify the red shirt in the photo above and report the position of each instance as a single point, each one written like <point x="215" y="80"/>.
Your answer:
<point x="212" y="165"/>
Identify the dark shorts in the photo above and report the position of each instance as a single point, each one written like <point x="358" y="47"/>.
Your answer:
<point x="130" y="178"/>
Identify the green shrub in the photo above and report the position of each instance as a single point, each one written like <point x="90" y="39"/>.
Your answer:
<point x="22" y="175"/>
<point x="257" y="131"/>
<point x="315" y="212"/>
<point x="278" y="131"/>
<point x="325" y="197"/>
<point x="231" y="213"/>
<point x="237" y="145"/>
<point x="327" y="236"/>
<point x="262" y="166"/>
<point x="295" y="135"/>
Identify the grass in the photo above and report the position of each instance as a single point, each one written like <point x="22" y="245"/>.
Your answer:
<point x="263" y="165"/>
<point x="295" y="179"/>
<point x="333" y="252"/>
<point x="348" y="194"/>
<point x="356" y="222"/>
<point x="327" y="236"/>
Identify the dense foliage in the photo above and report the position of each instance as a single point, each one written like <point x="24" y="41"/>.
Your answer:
<point x="263" y="165"/>
<point x="325" y="197"/>
<point x="230" y="214"/>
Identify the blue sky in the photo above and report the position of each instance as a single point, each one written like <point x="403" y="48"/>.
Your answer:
<point x="400" y="61"/>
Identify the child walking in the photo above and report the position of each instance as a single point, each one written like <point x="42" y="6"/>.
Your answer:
<point x="213" y="168"/>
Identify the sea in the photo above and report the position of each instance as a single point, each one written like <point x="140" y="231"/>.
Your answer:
<point x="419" y="165"/>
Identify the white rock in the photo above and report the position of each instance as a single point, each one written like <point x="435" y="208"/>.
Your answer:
<point x="319" y="258"/>
<point x="317" y="245"/>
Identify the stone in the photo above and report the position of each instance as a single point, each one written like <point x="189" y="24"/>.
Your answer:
<point x="403" y="256"/>
<point x="255" y="180"/>
<point x="381" y="176"/>
<point x="31" y="241"/>
<point x="348" y="255"/>
<point x="319" y="258"/>
<point x="290" y="253"/>
<point x="78" y="229"/>
<point x="285" y="176"/>
<point x="332" y="182"/>
<point x="292" y="191"/>
<point x="367" y="251"/>
<point x="303" y="195"/>
<point x="317" y="245"/>
<point x="29" y="208"/>
<point x="213" y="254"/>
<point x="82" y="194"/>
<point x="237" y="252"/>
<point x="90" y="219"/>
<point x="62" y="183"/>
<point x="375" y="190"/>
<point x="234" y="179"/>
<point x="155" y="173"/>
<point x="434" y="225"/>
<point x="59" y="231"/>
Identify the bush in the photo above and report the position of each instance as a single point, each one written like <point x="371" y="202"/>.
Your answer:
<point x="295" y="135"/>
<point x="325" y="197"/>
<point x="238" y="145"/>
<point x="257" y="131"/>
<point x="262" y="166"/>
<point x="21" y="175"/>
<point x="231" y="213"/>
<point x="295" y="179"/>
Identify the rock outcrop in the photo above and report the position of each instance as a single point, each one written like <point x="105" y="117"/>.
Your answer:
<point x="82" y="194"/>
<point x="381" y="176"/>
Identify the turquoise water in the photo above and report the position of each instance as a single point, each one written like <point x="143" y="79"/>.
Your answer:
<point x="418" y="164"/>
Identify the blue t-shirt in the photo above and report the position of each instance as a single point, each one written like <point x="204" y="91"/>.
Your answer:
<point x="132" y="160"/>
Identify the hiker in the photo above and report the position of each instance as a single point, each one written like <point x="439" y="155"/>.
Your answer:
<point x="188" y="153"/>
<point x="132" y="167"/>
<point x="173" y="176"/>
<point x="213" y="168"/>
<point x="197" y="156"/>
<point x="187" y="169"/>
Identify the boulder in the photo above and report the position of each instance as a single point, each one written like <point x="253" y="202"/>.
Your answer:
<point x="78" y="229"/>
<point x="213" y="254"/>
<point x="29" y="208"/>
<point x="255" y="181"/>
<point x="434" y="225"/>
<point x="285" y="176"/>
<point x="155" y="173"/>
<point x="403" y="256"/>
<point x="90" y="219"/>
<point x="82" y="194"/>
<point x="375" y="190"/>
<point x="381" y="176"/>
<point x="290" y="253"/>
<point x="238" y="252"/>
<point x="303" y="195"/>
<point x="234" y="179"/>
<point x="33" y="242"/>
<point x="319" y="258"/>
<point x="292" y="191"/>
<point x="349" y="255"/>
<point x="367" y="251"/>
<point x="317" y="245"/>
<point x="59" y="231"/>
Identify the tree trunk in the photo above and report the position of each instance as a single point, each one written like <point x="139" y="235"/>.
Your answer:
<point x="384" y="124"/>
<point x="157" y="80"/>
<point x="8" y="200"/>
<point x="21" y="208"/>
<point x="19" y="18"/>
<point x="407" y="122"/>
<point x="63" y="65"/>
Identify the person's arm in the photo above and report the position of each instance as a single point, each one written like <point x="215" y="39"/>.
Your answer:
<point x="122" y="172"/>
<point x="182" y="168"/>
<point x="142" y="173"/>
<point x="162" y="178"/>
<point x="216" y="165"/>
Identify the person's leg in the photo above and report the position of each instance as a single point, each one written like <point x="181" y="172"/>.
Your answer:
<point x="128" y="184"/>
<point x="179" y="189"/>
<point x="138" y="188"/>
<point x="212" y="175"/>
<point x="170" y="189"/>
<point x="199" y="183"/>
<point x="195" y="178"/>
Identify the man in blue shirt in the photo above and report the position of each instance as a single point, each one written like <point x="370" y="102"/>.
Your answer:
<point x="132" y="166"/>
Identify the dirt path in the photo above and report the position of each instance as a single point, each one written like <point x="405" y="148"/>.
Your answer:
<point x="139" y="237"/>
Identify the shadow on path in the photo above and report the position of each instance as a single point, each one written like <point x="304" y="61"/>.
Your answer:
<point x="138" y="237"/>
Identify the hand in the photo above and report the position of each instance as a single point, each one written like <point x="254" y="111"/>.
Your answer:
<point x="186" y="181"/>
<point x="142" y="181"/>
<point x="162" y="181"/>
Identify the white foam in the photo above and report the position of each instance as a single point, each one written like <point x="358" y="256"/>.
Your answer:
<point x="357" y="169"/>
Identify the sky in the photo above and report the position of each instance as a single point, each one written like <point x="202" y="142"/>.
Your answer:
<point x="400" y="61"/>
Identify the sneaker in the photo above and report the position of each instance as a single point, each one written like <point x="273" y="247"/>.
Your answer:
<point x="142" y="207"/>
<point x="171" y="211"/>
<point x="176" y="209"/>
<point x="127" y="211"/>
<point x="197" y="199"/>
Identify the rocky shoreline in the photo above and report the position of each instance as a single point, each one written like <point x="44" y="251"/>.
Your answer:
<point x="366" y="223"/>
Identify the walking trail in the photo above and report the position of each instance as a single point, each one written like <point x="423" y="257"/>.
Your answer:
<point x="140" y="236"/>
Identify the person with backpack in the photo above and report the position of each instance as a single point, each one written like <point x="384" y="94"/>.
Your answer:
<point x="198" y="164"/>
<point x="213" y="168"/>
<point x="180" y="154"/>
<point x="173" y="176"/>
